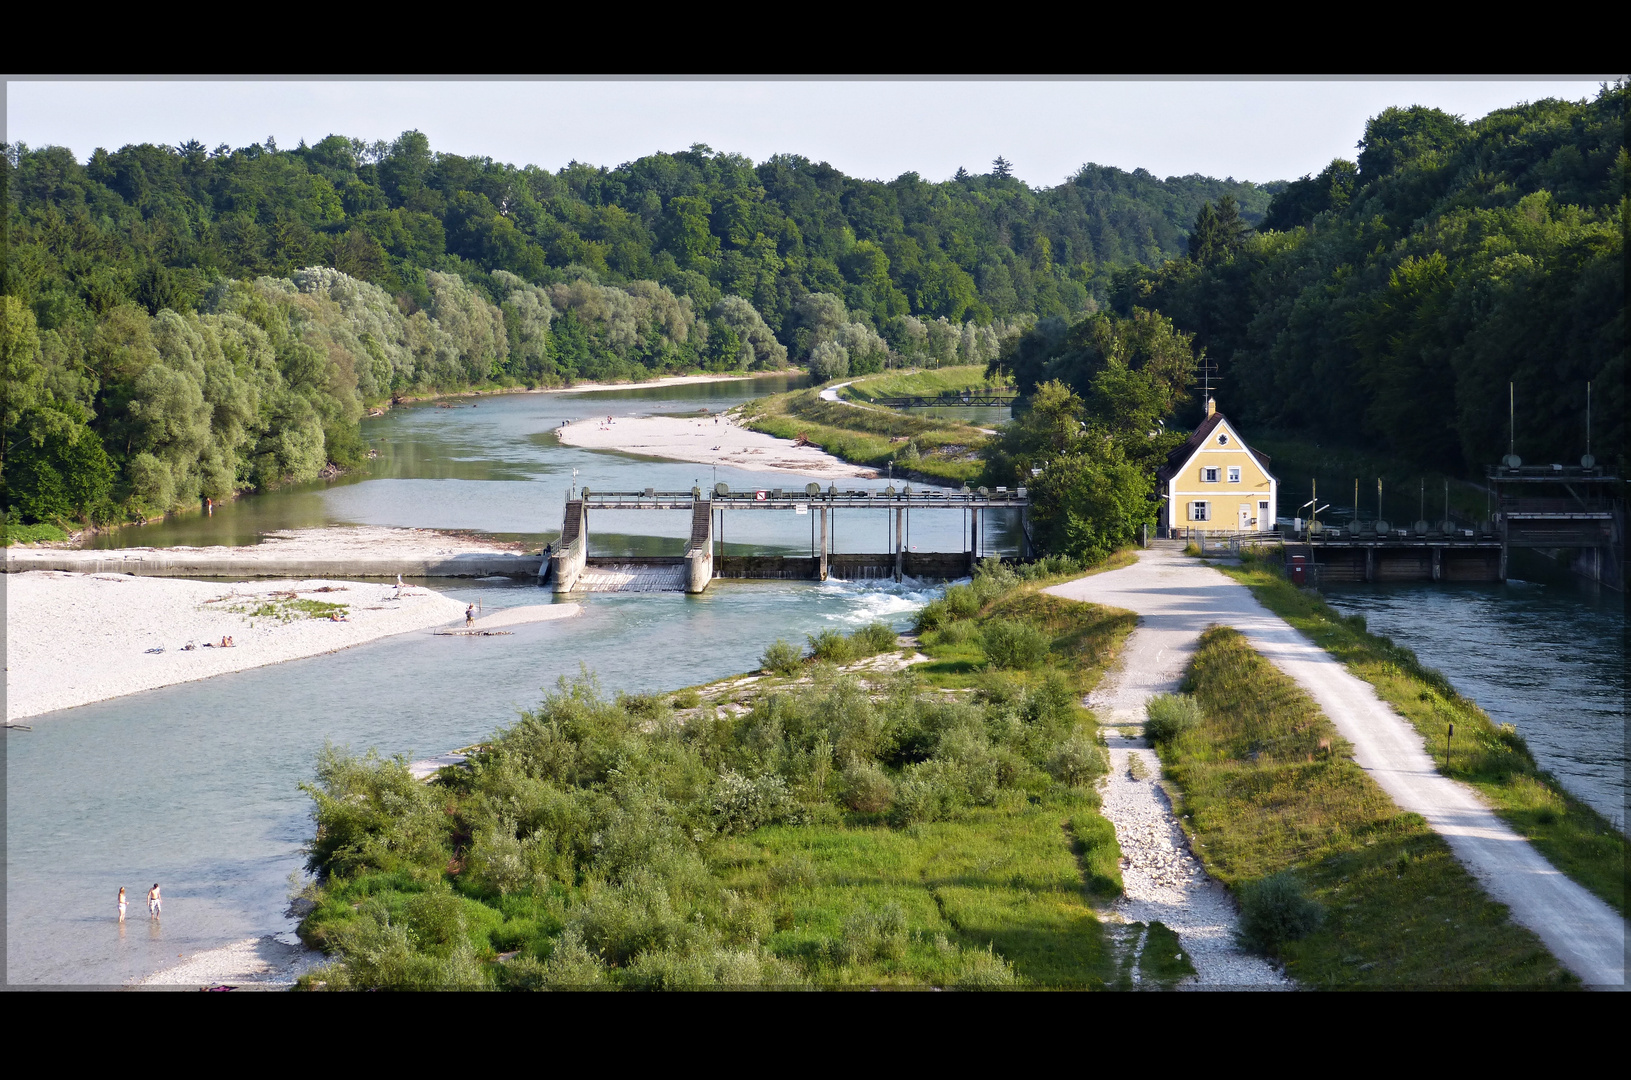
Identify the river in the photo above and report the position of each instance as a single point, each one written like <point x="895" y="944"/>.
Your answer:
<point x="196" y="786"/>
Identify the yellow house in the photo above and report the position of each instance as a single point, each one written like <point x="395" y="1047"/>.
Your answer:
<point x="1215" y="482"/>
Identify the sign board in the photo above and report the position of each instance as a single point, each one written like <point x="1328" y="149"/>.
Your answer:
<point x="801" y="508"/>
<point x="761" y="496"/>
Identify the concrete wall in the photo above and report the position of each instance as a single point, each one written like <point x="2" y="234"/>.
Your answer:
<point x="699" y="553"/>
<point x="567" y="562"/>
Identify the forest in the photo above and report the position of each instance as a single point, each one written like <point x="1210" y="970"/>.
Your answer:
<point x="1388" y="302"/>
<point x="182" y="323"/>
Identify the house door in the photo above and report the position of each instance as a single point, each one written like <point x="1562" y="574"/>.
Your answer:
<point x="1245" y="517"/>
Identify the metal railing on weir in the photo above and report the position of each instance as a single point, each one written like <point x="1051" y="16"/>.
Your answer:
<point x="722" y="497"/>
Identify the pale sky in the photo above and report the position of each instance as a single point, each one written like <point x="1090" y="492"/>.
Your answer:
<point x="1251" y="130"/>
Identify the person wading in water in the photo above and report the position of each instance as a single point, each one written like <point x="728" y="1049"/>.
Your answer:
<point x="153" y="902"/>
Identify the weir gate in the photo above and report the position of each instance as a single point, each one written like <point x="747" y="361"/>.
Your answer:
<point x="1573" y="514"/>
<point x="569" y="567"/>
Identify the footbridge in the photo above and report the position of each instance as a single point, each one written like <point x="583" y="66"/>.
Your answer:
<point x="569" y="567"/>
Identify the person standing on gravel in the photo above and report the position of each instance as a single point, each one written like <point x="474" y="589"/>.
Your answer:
<point x="469" y="616"/>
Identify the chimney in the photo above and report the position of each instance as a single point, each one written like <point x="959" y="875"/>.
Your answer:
<point x="1211" y="406"/>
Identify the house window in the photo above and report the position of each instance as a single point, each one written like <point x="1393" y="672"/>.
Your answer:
<point x="1199" y="511"/>
<point x="1234" y="474"/>
<point x="1209" y="475"/>
<point x="1223" y="440"/>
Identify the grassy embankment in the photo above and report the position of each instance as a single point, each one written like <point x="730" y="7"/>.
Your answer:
<point x="1347" y="890"/>
<point x="930" y="382"/>
<point x="939" y="451"/>
<point x="1493" y="758"/>
<point x="818" y="827"/>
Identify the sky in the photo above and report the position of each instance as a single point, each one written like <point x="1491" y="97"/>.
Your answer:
<point x="876" y="129"/>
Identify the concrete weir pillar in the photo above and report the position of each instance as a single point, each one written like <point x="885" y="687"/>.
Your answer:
<point x="821" y="565"/>
<point x="566" y="564"/>
<point x="900" y="533"/>
<point x="699" y="553"/>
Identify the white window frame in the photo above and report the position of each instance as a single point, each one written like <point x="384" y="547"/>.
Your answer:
<point x="1234" y="474"/>
<point x="1200" y="510"/>
<point x="1209" y="474"/>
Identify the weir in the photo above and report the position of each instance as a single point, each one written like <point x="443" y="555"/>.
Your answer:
<point x="570" y="569"/>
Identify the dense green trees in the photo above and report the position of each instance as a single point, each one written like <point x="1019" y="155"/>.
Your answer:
<point x="184" y="322"/>
<point x="1099" y="395"/>
<point x="1389" y="302"/>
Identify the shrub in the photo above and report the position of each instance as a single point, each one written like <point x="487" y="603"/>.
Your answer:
<point x="742" y="805"/>
<point x="782" y="658"/>
<point x="1169" y="715"/>
<point x="957" y="633"/>
<point x="1101" y="854"/>
<point x="930" y="790"/>
<point x="1274" y="910"/>
<point x="687" y="699"/>
<point x="962" y="602"/>
<point x="879" y="934"/>
<point x="866" y="789"/>
<point x="1014" y="644"/>
<point x="873" y="638"/>
<point x="984" y="969"/>
<point x="831" y="646"/>
<point x="1077" y="760"/>
<point x="645" y="706"/>
<point x="933" y="616"/>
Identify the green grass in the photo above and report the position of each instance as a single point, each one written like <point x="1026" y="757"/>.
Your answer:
<point x="931" y="382"/>
<point x="28" y="534"/>
<point x="1002" y="878"/>
<point x="289" y="608"/>
<point x="1266" y="785"/>
<point x="940" y="450"/>
<point x="855" y="829"/>
<point x="1493" y="758"/>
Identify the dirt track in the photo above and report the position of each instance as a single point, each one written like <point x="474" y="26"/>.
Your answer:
<point x="1178" y="597"/>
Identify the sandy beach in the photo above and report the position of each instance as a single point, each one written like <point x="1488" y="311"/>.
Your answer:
<point x="708" y="441"/>
<point x="72" y="639"/>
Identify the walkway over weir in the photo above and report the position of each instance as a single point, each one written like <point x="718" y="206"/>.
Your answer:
<point x="570" y="569"/>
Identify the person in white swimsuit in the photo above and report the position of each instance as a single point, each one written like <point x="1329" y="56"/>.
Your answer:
<point x="121" y="903"/>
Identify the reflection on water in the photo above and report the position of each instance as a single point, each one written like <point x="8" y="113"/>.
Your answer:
<point x="1548" y="659"/>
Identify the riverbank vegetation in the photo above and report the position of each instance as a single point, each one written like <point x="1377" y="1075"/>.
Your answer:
<point x="940" y="451"/>
<point x="825" y="828"/>
<point x="1333" y="880"/>
<point x="1491" y="757"/>
<point x="929" y="382"/>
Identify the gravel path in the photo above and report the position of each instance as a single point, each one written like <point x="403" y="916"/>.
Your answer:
<point x="1163" y="881"/>
<point x="1177" y="597"/>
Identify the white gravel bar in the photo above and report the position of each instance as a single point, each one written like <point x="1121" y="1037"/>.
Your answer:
<point x="711" y="440"/>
